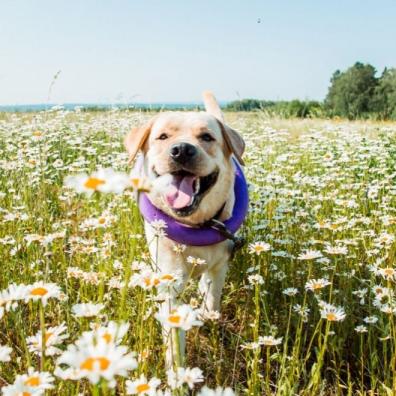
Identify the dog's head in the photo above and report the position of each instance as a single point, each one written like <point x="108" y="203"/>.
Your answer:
<point x="188" y="160"/>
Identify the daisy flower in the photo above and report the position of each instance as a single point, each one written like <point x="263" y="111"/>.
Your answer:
<point x="310" y="255"/>
<point x="67" y="373"/>
<point x="196" y="261"/>
<point x="41" y="291"/>
<point x="259" y="247"/>
<point x="361" y="329"/>
<point x="316" y="284"/>
<point x="142" y="386"/>
<point x="219" y="391"/>
<point x="183" y="317"/>
<point x="38" y="380"/>
<point x="37" y="135"/>
<point x="332" y="313"/>
<point x="53" y="336"/>
<point x="86" y="310"/>
<point x="147" y="279"/>
<point x="302" y="311"/>
<point x="210" y="315"/>
<point x="5" y="353"/>
<point x="159" y="227"/>
<point x="10" y="296"/>
<point x="387" y="273"/>
<point x="251" y="345"/>
<point x="336" y="250"/>
<point x="381" y="291"/>
<point x="269" y="340"/>
<point x="19" y="388"/>
<point x="179" y="248"/>
<point x="98" y="359"/>
<point x="370" y="319"/>
<point x="104" y="180"/>
<point x="140" y="184"/>
<point x="112" y="333"/>
<point x="181" y="376"/>
<point x="290" y="291"/>
<point x="388" y="309"/>
<point x="256" y="279"/>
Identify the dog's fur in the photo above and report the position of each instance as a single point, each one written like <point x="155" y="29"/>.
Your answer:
<point x="189" y="127"/>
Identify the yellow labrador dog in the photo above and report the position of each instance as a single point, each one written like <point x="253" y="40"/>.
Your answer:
<point x="188" y="159"/>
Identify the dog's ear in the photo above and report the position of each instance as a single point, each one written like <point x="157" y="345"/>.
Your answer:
<point x="234" y="141"/>
<point x="135" y="140"/>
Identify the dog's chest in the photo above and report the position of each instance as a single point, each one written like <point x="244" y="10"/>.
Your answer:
<point x="170" y="256"/>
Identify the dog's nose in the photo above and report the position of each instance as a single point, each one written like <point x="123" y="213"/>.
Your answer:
<point x="183" y="152"/>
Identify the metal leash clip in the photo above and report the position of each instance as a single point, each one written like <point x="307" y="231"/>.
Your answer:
<point x="223" y="230"/>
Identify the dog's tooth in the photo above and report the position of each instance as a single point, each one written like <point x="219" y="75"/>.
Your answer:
<point x="197" y="185"/>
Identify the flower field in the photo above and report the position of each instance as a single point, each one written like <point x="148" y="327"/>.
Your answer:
<point x="309" y="304"/>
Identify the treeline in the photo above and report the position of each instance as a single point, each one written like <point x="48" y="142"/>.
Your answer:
<point x="283" y="108"/>
<point x="356" y="93"/>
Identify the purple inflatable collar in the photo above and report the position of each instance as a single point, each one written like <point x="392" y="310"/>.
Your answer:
<point x="206" y="234"/>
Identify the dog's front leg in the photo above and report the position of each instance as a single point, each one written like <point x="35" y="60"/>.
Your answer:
<point x="211" y="285"/>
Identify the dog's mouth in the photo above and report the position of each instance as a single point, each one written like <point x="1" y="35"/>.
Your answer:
<point x="186" y="191"/>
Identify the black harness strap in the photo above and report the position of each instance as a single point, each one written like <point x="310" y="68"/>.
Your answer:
<point x="223" y="230"/>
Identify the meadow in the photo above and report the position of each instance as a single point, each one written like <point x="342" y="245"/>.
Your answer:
<point x="309" y="304"/>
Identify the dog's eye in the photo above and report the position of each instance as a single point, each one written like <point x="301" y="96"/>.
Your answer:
<point x="163" y="136"/>
<point x="206" y="137"/>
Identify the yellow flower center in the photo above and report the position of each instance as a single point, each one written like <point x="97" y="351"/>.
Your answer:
<point x="47" y="336"/>
<point x="107" y="337"/>
<point x="389" y="271"/>
<point x="135" y="181"/>
<point x="142" y="388"/>
<point x="167" y="277"/>
<point x="317" y="286"/>
<point x="174" y="319"/>
<point x="93" y="183"/>
<point x="32" y="381"/>
<point x="89" y="363"/>
<point x="37" y="133"/>
<point x="39" y="291"/>
<point x="156" y="282"/>
<point x="147" y="281"/>
<point x="331" y="317"/>
<point x="101" y="220"/>
<point x="26" y="394"/>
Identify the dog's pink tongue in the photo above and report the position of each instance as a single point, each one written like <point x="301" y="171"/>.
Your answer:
<point x="181" y="192"/>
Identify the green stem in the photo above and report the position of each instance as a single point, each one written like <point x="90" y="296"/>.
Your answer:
<point x="176" y="338"/>
<point x="43" y="338"/>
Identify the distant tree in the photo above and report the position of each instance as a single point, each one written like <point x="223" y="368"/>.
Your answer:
<point x="351" y="92"/>
<point x="384" y="99"/>
<point x="303" y="109"/>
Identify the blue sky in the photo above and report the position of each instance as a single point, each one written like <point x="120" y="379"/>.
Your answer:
<point x="171" y="50"/>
